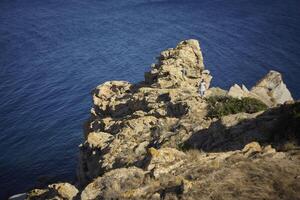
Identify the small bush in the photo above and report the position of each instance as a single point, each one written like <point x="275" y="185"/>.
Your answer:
<point x="219" y="106"/>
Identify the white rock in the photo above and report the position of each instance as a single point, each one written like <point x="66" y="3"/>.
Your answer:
<point x="272" y="90"/>
<point x="237" y="92"/>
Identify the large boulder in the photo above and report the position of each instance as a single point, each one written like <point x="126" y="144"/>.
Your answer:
<point x="272" y="90"/>
<point x="58" y="191"/>
<point x="116" y="184"/>
<point x="110" y="98"/>
<point x="164" y="160"/>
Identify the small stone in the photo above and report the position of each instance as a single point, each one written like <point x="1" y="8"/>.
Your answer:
<point x="269" y="150"/>
<point x="156" y="196"/>
<point x="251" y="148"/>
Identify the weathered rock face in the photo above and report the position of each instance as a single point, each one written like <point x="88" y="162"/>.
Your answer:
<point x="179" y="67"/>
<point x="128" y="119"/>
<point x="165" y="160"/>
<point x="238" y="92"/>
<point x="253" y="172"/>
<point x="153" y="140"/>
<point x="115" y="184"/>
<point x="271" y="90"/>
<point x="59" y="191"/>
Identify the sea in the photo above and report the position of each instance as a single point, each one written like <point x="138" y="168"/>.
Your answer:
<point x="54" y="52"/>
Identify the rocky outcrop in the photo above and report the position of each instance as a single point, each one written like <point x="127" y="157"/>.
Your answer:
<point x="238" y="92"/>
<point x="119" y="183"/>
<point x="154" y="139"/>
<point x="59" y="191"/>
<point x="179" y="67"/>
<point x="254" y="171"/>
<point x="271" y="90"/>
<point x="160" y="112"/>
<point x="164" y="160"/>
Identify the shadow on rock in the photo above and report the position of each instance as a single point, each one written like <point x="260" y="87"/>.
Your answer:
<point x="278" y="126"/>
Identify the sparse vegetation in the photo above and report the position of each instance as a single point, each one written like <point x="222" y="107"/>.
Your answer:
<point x="219" y="106"/>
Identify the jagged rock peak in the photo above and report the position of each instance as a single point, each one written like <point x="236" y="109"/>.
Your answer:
<point x="270" y="89"/>
<point x="178" y="67"/>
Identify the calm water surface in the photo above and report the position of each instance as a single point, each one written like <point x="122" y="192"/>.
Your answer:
<point x="52" y="53"/>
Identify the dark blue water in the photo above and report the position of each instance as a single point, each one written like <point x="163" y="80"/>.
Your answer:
<point x="52" y="53"/>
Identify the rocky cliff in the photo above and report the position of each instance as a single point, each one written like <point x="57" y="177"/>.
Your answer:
<point x="156" y="139"/>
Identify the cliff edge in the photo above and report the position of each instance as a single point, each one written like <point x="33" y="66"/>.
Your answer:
<point x="158" y="139"/>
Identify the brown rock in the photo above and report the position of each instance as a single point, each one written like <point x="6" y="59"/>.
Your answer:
<point x="59" y="191"/>
<point x="179" y="67"/>
<point x="251" y="148"/>
<point x="164" y="160"/>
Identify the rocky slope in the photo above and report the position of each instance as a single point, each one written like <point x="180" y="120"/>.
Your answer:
<point x="154" y="139"/>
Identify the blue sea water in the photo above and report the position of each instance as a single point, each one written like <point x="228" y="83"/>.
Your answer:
<point x="53" y="53"/>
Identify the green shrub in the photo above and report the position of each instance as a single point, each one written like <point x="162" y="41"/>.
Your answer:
<point x="219" y="106"/>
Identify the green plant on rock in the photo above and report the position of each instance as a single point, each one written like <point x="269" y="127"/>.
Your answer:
<point x="219" y="106"/>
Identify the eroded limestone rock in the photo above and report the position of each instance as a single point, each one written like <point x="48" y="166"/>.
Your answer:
<point x="164" y="160"/>
<point x="238" y="92"/>
<point x="179" y="67"/>
<point x="59" y="191"/>
<point x="128" y="119"/>
<point x="272" y="90"/>
<point x="115" y="184"/>
<point x="202" y="174"/>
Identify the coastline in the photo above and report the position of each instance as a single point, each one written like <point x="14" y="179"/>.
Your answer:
<point x="157" y="139"/>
